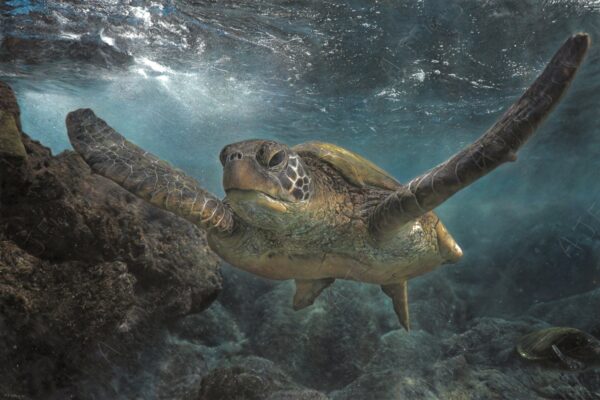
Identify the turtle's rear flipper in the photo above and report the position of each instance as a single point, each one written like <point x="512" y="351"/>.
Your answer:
<point x="398" y="292"/>
<point x="308" y="290"/>
<point x="111" y="155"/>
<point x="571" y="363"/>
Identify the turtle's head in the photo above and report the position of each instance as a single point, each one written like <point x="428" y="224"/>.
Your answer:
<point x="265" y="182"/>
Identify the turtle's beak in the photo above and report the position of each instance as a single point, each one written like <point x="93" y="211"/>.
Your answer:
<point x="242" y="175"/>
<point x="247" y="174"/>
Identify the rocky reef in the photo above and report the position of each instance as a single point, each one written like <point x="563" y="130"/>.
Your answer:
<point x="87" y="270"/>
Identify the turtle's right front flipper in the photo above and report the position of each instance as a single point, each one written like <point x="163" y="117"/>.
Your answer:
<point x="497" y="146"/>
<point x="111" y="155"/>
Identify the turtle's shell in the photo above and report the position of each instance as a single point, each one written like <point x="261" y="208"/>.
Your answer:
<point x="354" y="168"/>
<point x="572" y="342"/>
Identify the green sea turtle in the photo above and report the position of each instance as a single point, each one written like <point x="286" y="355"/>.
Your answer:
<point x="565" y="345"/>
<point x="316" y="212"/>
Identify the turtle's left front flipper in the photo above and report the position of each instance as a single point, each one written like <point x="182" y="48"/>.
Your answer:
<point x="497" y="146"/>
<point x="111" y="155"/>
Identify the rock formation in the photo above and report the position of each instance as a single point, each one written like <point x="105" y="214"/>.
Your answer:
<point x="87" y="270"/>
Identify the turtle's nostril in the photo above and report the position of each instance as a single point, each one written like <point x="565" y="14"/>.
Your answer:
<point x="236" y="155"/>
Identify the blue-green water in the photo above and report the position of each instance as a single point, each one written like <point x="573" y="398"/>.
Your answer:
<point x="404" y="83"/>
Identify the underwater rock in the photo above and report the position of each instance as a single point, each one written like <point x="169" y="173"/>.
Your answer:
<point x="213" y="327"/>
<point x="42" y="50"/>
<point x="164" y="368"/>
<point x="479" y="363"/>
<point x="252" y="378"/>
<point x="332" y="340"/>
<point x="491" y="368"/>
<point x="579" y="311"/>
<point x="180" y="372"/>
<point x="52" y="315"/>
<point x="86" y="265"/>
<point x="346" y="333"/>
<point x="337" y="339"/>
<point x="488" y="341"/>
<point x="408" y="352"/>
<point x="386" y="384"/>
<point x="238" y="286"/>
<point x="397" y="370"/>
<point x="437" y="306"/>
<point x="63" y="212"/>
<point x="568" y="346"/>
<point x="81" y="216"/>
<point x="297" y="395"/>
<point x="12" y="152"/>
<point x="216" y="331"/>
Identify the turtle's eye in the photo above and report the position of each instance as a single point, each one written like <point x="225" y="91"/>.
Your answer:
<point x="276" y="159"/>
